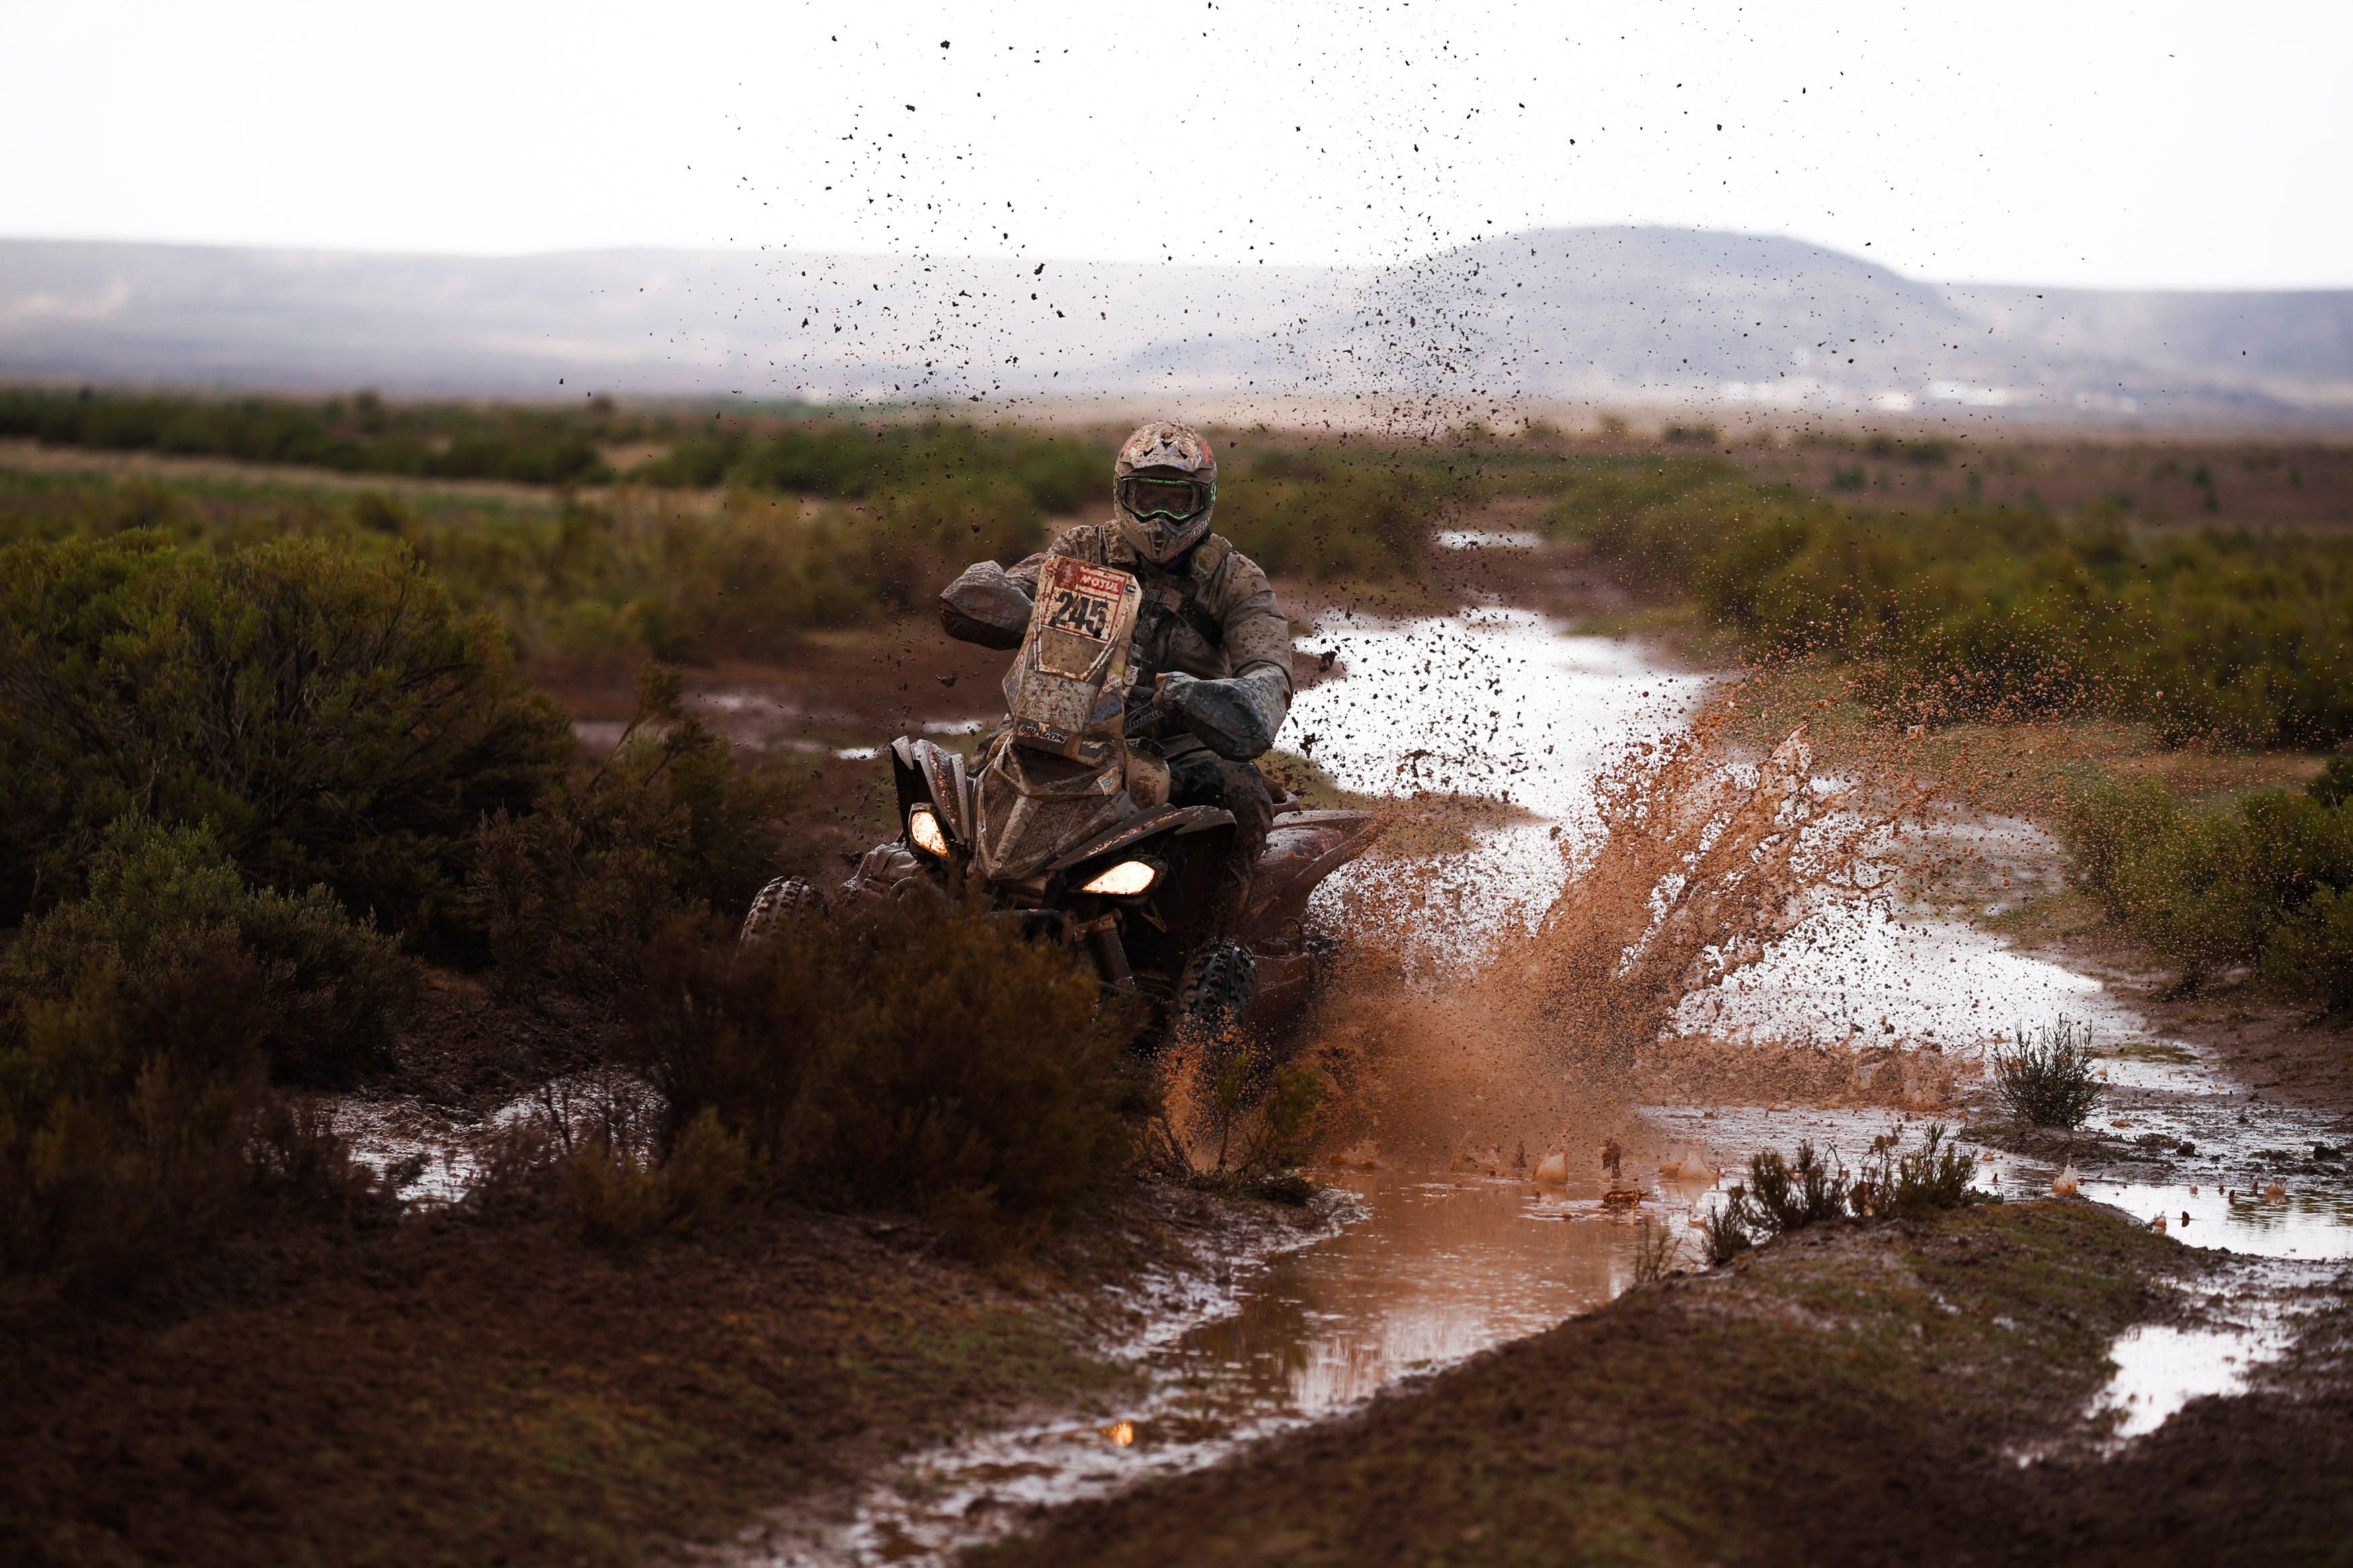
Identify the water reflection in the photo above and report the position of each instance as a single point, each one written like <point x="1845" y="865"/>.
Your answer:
<point x="1436" y="1271"/>
<point x="1430" y="1269"/>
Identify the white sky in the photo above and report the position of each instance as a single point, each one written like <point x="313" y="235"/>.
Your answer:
<point x="2152" y="145"/>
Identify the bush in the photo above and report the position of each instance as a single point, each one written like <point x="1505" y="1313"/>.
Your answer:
<point x="1785" y="1195"/>
<point x="2260" y="881"/>
<point x="164" y="902"/>
<point x="361" y="435"/>
<point x="1907" y="1183"/>
<point x="624" y="1197"/>
<point x="139" y="1028"/>
<point x="666" y="827"/>
<point x="2333" y="786"/>
<point x="1328" y="514"/>
<point x="1724" y="1231"/>
<point x="333" y="717"/>
<point x="2310" y="952"/>
<point x="1991" y="612"/>
<point x="2103" y="821"/>
<point x="924" y="1058"/>
<point x="2048" y="1081"/>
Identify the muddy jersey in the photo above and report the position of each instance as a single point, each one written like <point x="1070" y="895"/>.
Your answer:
<point x="1208" y="613"/>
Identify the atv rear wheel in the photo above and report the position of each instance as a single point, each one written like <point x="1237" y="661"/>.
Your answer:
<point x="783" y="903"/>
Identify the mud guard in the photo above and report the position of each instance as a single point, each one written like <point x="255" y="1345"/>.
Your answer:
<point x="930" y="775"/>
<point x="1302" y="849"/>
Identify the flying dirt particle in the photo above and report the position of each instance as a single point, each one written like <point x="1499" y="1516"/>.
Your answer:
<point x="2065" y="1183"/>
<point x="1552" y="1168"/>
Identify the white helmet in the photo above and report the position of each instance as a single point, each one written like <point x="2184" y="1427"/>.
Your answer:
<point x="1164" y="487"/>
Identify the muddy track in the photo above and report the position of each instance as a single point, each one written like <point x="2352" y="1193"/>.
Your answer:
<point x="1856" y="1394"/>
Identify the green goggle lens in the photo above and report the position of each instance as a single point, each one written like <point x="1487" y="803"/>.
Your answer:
<point x="1175" y="498"/>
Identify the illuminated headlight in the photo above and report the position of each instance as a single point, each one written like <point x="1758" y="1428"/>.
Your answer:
<point x="924" y="828"/>
<point x="1122" y="880"/>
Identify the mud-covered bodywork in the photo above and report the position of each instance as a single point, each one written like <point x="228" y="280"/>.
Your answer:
<point x="1063" y="822"/>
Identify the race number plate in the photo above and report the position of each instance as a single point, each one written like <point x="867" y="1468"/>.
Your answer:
<point x="1081" y="608"/>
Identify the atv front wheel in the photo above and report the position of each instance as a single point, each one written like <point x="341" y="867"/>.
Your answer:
<point x="1214" y="994"/>
<point x="783" y="903"/>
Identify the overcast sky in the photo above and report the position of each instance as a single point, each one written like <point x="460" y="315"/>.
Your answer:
<point x="2149" y="145"/>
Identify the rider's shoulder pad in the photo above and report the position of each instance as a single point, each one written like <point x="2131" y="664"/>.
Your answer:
<point x="1212" y="553"/>
<point x="1093" y="543"/>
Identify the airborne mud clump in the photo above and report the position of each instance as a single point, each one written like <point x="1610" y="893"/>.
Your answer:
<point x="1703" y="856"/>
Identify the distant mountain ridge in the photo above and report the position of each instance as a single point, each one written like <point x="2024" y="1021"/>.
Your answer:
<point x="1630" y="315"/>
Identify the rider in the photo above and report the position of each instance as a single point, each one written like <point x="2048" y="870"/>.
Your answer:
<point x="1211" y="655"/>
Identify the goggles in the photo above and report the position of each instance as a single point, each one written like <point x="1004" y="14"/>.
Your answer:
<point x="1175" y="500"/>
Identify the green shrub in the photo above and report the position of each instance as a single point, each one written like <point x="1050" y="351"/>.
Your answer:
<point x="1724" y="1233"/>
<point x="2309" y="954"/>
<point x="926" y="1058"/>
<point x="1989" y="612"/>
<point x="139" y="1027"/>
<point x="2104" y="820"/>
<point x="1907" y="1183"/>
<point x="1329" y="514"/>
<point x="2258" y="881"/>
<point x="361" y="435"/>
<point x="1052" y="475"/>
<point x="333" y="717"/>
<point x="162" y="901"/>
<point x="1790" y="1194"/>
<point x="2048" y="1081"/>
<point x="624" y="1197"/>
<point x="1779" y="1196"/>
<point x="666" y="826"/>
<point x="2333" y="788"/>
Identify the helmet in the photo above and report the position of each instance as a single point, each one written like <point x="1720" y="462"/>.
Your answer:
<point x="1164" y="485"/>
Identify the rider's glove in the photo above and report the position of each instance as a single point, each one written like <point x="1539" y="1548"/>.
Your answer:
<point x="1231" y="717"/>
<point x="985" y="605"/>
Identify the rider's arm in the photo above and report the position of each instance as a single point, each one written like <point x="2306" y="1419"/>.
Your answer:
<point x="987" y="605"/>
<point x="1239" y="716"/>
<point x="1258" y="641"/>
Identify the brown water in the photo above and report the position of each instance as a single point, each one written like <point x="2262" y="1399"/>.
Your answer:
<point x="1423" y="1271"/>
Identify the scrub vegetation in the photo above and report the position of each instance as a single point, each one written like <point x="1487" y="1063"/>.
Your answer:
<point x="1972" y="612"/>
<point x="250" y="791"/>
<point x="359" y="434"/>
<point x="1784" y="1195"/>
<point x="2260" y="882"/>
<point x="282" y="814"/>
<point x="2048" y="1079"/>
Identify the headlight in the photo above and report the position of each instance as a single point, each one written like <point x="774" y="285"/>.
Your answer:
<point x="924" y="829"/>
<point x="1122" y="880"/>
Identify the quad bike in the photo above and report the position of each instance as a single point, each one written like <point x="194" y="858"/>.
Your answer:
<point x="1065" y="823"/>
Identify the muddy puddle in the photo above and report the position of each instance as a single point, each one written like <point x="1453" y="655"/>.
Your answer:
<point x="1422" y="1270"/>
